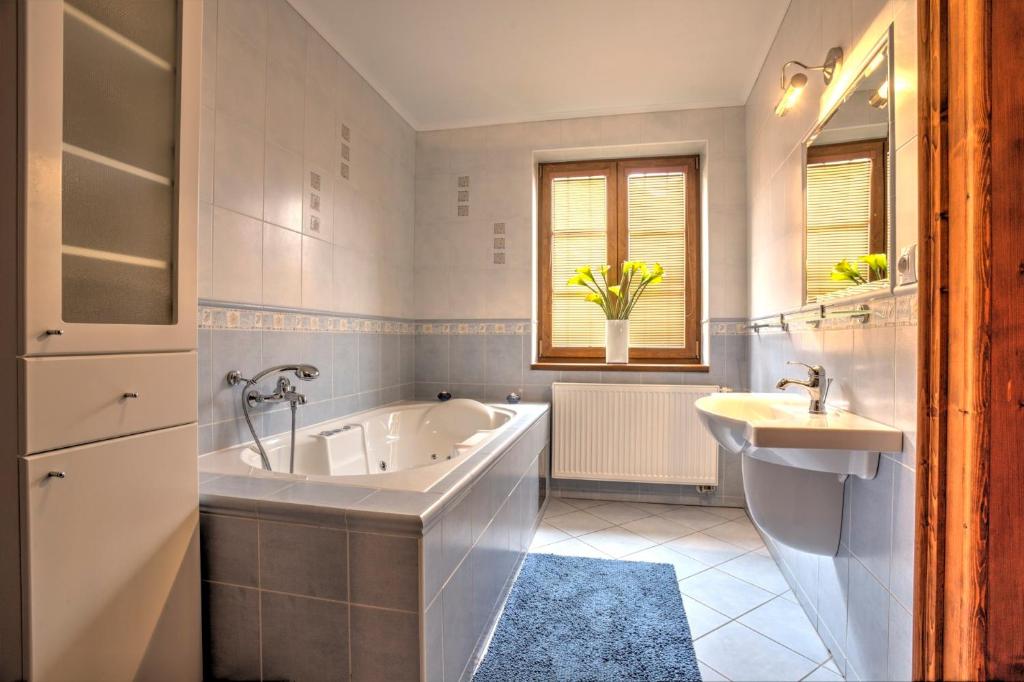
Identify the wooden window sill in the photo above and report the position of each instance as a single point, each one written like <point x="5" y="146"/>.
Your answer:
<point x="634" y="366"/>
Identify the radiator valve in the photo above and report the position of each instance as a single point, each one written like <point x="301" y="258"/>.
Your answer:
<point x="706" y="489"/>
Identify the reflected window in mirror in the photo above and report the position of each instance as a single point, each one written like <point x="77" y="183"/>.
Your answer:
<point x="846" y="216"/>
<point x="847" y="180"/>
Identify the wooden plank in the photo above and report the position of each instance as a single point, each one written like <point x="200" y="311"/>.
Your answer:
<point x="1005" y="642"/>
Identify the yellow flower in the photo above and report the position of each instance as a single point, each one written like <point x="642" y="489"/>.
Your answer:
<point x="615" y="289"/>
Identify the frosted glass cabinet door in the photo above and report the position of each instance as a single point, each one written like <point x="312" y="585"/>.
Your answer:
<point x="111" y="133"/>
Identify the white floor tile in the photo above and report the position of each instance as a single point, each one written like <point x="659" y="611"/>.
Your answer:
<point x="582" y="502"/>
<point x="557" y="507"/>
<point x="728" y="512"/>
<point x="723" y="593"/>
<point x="740" y="533"/>
<point x="823" y="674"/>
<point x="739" y="653"/>
<point x="789" y="596"/>
<point x="579" y="523"/>
<point x="786" y="623"/>
<point x="617" y="512"/>
<point x="758" y="569"/>
<point x="547" y="534"/>
<point x="654" y="507"/>
<point x="831" y="665"/>
<point x="709" y="675"/>
<point x="705" y="549"/>
<point x="684" y="565"/>
<point x="573" y="547"/>
<point x="694" y="517"/>
<point x="702" y="619"/>
<point x="658" y="528"/>
<point x="618" y="542"/>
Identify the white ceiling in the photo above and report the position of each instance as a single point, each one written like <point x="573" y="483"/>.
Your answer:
<point x="457" y="63"/>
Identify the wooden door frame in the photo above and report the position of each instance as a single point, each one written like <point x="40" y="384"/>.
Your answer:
<point x="970" y="513"/>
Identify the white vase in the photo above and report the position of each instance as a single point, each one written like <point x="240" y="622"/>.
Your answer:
<point x="616" y="341"/>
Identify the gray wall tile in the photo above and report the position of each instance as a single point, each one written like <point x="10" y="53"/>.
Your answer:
<point x="901" y="632"/>
<point x="304" y="560"/>
<point x="231" y="350"/>
<point x="205" y="376"/>
<point x="505" y="360"/>
<point x="867" y="633"/>
<point x="390" y="361"/>
<point x="318" y="350"/>
<point x="432" y="359"/>
<point x="231" y="632"/>
<point x="369" y="362"/>
<point x="467" y="359"/>
<point x="228" y="546"/>
<point x="871" y="522"/>
<point x="304" y="639"/>
<point x="385" y="645"/>
<point x="383" y="571"/>
<point x="346" y="359"/>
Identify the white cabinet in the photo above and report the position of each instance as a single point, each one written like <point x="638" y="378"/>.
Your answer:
<point x="111" y="139"/>
<point x="106" y="337"/>
<point x="110" y="545"/>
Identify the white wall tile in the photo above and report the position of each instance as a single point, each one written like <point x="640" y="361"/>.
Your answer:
<point x="275" y="98"/>
<point x="237" y="257"/>
<point x="282" y="187"/>
<point x="238" y="167"/>
<point x="242" y="73"/>
<point x="204" y="244"/>
<point x="317" y="274"/>
<point x="282" y="266"/>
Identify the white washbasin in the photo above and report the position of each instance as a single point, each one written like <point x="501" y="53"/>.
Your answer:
<point x="795" y="464"/>
<point x="777" y="428"/>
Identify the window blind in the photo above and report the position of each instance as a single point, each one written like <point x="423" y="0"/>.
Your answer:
<point x="579" y="236"/>
<point x="838" y="221"/>
<point x="656" y="207"/>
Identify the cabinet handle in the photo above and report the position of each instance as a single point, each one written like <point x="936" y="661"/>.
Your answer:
<point x="57" y="474"/>
<point x="55" y="332"/>
<point x="130" y="394"/>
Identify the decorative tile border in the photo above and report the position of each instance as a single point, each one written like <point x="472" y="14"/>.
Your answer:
<point x="719" y="327"/>
<point x="217" y="317"/>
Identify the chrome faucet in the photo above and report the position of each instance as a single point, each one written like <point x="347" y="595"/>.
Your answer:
<point x="284" y="393"/>
<point x="817" y="385"/>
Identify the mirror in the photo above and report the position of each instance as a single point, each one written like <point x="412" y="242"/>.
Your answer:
<point x="848" y="245"/>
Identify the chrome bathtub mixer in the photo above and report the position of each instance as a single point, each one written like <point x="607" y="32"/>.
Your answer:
<point x="285" y="392"/>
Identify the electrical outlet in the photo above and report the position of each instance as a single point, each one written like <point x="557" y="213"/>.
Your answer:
<point x="906" y="266"/>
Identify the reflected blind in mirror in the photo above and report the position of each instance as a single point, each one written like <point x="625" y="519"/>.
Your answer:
<point x="657" y="234"/>
<point x="579" y="236"/>
<point x="838" y="221"/>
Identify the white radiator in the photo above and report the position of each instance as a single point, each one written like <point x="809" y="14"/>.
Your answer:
<point x="637" y="433"/>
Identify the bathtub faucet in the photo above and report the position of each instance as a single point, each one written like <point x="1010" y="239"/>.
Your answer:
<point x="284" y="393"/>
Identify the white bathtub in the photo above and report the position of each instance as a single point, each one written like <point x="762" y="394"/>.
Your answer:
<point x="408" y="446"/>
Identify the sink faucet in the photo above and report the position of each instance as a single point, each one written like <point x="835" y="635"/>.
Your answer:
<point x="816" y="380"/>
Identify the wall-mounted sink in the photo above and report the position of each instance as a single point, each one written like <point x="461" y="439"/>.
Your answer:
<point x="777" y="428"/>
<point x="791" y="459"/>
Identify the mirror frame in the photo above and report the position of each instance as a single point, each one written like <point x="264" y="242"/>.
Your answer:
<point x="883" y="43"/>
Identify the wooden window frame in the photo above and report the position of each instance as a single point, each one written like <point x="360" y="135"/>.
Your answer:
<point x="617" y="172"/>
<point x="877" y="151"/>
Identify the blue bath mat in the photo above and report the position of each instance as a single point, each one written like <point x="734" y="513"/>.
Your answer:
<point x="572" y="619"/>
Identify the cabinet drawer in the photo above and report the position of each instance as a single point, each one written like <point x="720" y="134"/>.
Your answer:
<point x="111" y="549"/>
<point x="73" y="400"/>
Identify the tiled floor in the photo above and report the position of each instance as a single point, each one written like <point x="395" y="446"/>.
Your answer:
<point x="745" y="621"/>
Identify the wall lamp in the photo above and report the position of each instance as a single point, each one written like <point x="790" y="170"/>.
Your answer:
<point x="792" y="89"/>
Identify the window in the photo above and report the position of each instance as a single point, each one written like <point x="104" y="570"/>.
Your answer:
<point x="607" y="212"/>
<point x="846" y="211"/>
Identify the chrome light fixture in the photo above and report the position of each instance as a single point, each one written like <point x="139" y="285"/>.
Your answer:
<point x="792" y="89"/>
